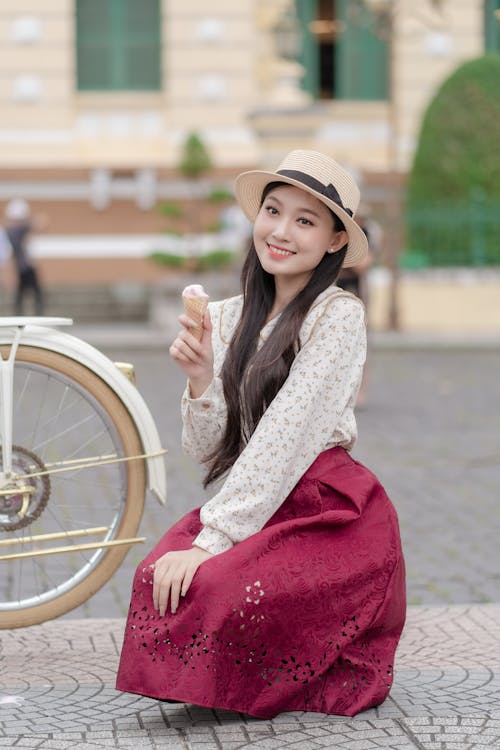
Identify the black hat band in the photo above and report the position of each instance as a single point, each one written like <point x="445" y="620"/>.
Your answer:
<point x="329" y="191"/>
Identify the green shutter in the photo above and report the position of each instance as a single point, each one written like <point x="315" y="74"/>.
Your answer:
<point x="94" y="53"/>
<point x="118" y="45"/>
<point x="491" y="26"/>
<point x="306" y="12"/>
<point x="361" y="57"/>
<point x="141" y="43"/>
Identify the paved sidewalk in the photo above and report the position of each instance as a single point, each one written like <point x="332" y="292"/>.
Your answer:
<point x="430" y="431"/>
<point x="56" y="692"/>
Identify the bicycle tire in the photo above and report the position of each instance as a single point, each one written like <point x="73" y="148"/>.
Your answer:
<point x="107" y="407"/>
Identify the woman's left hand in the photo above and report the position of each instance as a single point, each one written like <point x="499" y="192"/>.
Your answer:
<point x="173" y="573"/>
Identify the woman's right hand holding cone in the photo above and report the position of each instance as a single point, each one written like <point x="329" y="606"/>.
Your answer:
<point x="194" y="357"/>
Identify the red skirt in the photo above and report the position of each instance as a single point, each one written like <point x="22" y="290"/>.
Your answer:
<point x="305" y="615"/>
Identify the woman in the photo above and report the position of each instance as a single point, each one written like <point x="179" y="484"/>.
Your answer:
<point x="285" y="591"/>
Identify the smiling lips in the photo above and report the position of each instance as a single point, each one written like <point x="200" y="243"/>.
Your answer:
<point x="279" y="252"/>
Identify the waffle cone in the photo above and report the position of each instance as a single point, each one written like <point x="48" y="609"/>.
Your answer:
<point x="195" y="308"/>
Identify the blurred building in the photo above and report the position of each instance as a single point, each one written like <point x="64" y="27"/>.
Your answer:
<point x="96" y="96"/>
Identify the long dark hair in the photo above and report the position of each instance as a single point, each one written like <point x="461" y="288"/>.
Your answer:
<point x="252" y="376"/>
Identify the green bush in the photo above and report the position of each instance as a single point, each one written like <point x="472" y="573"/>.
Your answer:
<point x="195" y="159"/>
<point x="172" y="210"/>
<point x="168" y="259"/>
<point x="220" y="194"/>
<point x="453" y="206"/>
<point x="216" y="259"/>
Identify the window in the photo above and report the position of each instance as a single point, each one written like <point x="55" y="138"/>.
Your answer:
<point x="118" y="45"/>
<point x="342" y="53"/>
<point x="492" y="25"/>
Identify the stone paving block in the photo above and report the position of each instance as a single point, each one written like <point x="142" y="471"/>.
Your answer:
<point x="269" y="743"/>
<point x="371" y="734"/>
<point x="226" y="730"/>
<point x="131" y="723"/>
<point x="155" y="726"/>
<point x="383" y="724"/>
<point x="297" y="736"/>
<point x="318" y="732"/>
<point x="70" y="736"/>
<point x="267" y="727"/>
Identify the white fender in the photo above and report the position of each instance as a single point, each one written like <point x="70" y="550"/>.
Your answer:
<point x="89" y="356"/>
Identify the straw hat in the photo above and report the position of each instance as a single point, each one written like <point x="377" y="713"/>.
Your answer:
<point x="316" y="174"/>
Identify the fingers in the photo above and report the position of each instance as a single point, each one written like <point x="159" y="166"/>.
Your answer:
<point x="188" y="579"/>
<point x="207" y="322"/>
<point x="183" y="353"/>
<point x="186" y="348"/>
<point x="187" y="322"/>
<point x="157" y="577"/>
<point x="163" y="581"/>
<point x="172" y="578"/>
<point x="175" y="590"/>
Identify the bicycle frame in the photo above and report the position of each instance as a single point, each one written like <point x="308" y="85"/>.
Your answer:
<point x="37" y="332"/>
<point x="6" y="382"/>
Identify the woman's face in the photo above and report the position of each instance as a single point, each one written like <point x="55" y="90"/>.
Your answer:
<point x="292" y="232"/>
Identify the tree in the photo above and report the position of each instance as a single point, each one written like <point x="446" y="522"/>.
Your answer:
<point x="454" y="185"/>
<point x="195" y="161"/>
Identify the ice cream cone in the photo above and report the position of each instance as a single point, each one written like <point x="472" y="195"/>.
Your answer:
<point x="195" y="308"/>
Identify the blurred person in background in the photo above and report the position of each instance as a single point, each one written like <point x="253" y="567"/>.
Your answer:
<point x="355" y="279"/>
<point x="19" y="224"/>
<point x="5" y="253"/>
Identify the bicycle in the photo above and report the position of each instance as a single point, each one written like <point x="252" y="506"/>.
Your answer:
<point x="79" y="449"/>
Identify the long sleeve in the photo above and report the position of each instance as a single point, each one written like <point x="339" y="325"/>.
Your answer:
<point x="204" y="418"/>
<point x="312" y="412"/>
<point x="203" y="421"/>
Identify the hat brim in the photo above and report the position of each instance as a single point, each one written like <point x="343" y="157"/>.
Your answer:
<point x="249" y="187"/>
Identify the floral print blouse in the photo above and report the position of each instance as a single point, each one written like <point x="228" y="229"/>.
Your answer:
<point x="313" y="411"/>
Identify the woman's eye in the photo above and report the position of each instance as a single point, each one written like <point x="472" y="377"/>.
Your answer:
<point x="271" y="210"/>
<point x="305" y="222"/>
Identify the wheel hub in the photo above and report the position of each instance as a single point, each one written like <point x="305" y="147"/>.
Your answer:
<point x="23" y="500"/>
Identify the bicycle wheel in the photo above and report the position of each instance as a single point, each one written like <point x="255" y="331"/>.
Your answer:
<point x="63" y="413"/>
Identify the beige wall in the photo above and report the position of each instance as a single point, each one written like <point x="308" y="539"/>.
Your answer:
<point x="219" y="67"/>
<point x="36" y="73"/>
<point x="208" y="86"/>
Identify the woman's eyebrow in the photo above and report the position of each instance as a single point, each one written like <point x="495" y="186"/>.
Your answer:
<point x="308" y="211"/>
<point x="299" y="210"/>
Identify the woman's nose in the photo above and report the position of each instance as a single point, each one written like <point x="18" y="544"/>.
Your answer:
<point x="281" y="229"/>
